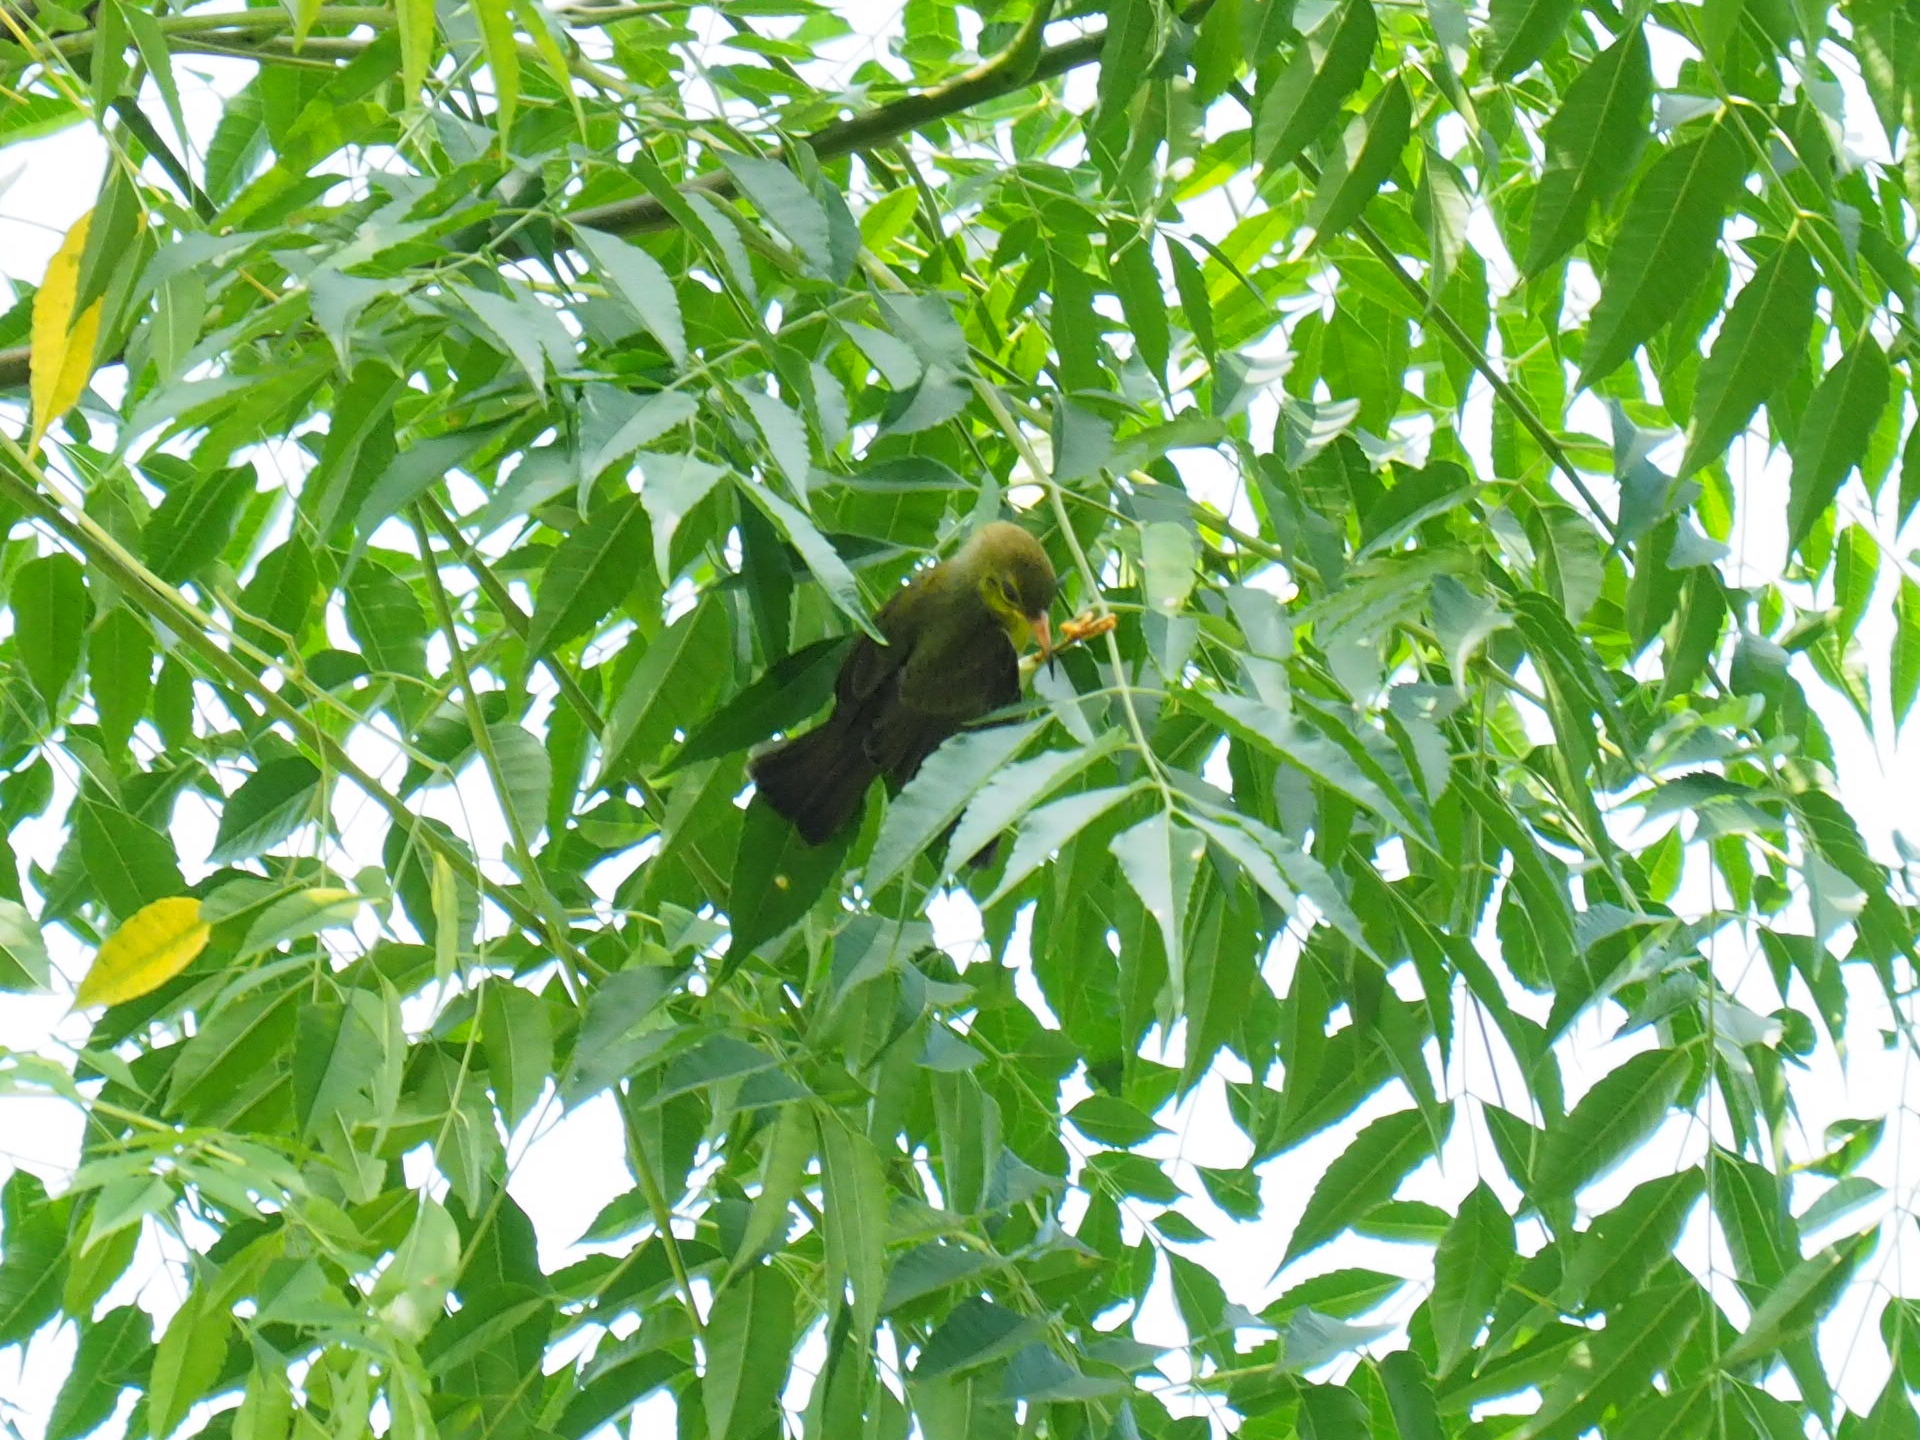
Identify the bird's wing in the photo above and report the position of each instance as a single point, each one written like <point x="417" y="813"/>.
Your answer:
<point x="937" y="692"/>
<point x="870" y="670"/>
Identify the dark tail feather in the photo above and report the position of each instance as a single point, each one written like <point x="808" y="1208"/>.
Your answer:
<point x="816" y="781"/>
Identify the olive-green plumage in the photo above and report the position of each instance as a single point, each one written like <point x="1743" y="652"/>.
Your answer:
<point x="952" y="655"/>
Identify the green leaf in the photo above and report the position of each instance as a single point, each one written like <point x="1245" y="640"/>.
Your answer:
<point x="386" y="617"/>
<point x="1906" y="648"/>
<point x="411" y="1292"/>
<point x="1051" y="827"/>
<point x="1469" y="1273"/>
<point x="270" y="805"/>
<point x="777" y="877"/>
<point x="33" y="1262"/>
<point x="1592" y="142"/>
<point x="1665" y="246"/>
<point x="526" y="775"/>
<point x="793" y="687"/>
<point x="1416" y="1415"/>
<point x="749" y="1342"/>
<point x="676" y="677"/>
<point x="823" y="562"/>
<point x="1142" y="300"/>
<point x="338" y="1048"/>
<point x="780" y="197"/>
<point x="130" y="863"/>
<point x="673" y="485"/>
<point x="518" y="1036"/>
<point x="50" y="612"/>
<point x="1761" y="344"/>
<point x="790" y="1144"/>
<point x="415" y="471"/>
<point x="187" y="1361"/>
<point x="1616" y="1367"/>
<point x="1617" y="1252"/>
<point x="855" y="1192"/>
<point x="934" y="798"/>
<point x="975" y="1332"/>
<point x="106" y="1361"/>
<point x="1367" y="1173"/>
<point x="280" y="596"/>
<point x="1013" y="789"/>
<point x="1834" y="433"/>
<point x="1112" y="1121"/>
<point x="23" y="954"/>
<point x="1621" y="1110"/>
<point x="1791" y="1307"/>
<point x="296" y="916"/>
<point x="1329" y="64"/>
<point x="590" y="573"/>
<point x="194" y="522"/>
<point x="1524" y="29"/>
<point x="1369" y="152"/>
<point x="642" y="285"/>
<point x="1160" y="857"/>
<point x="120" y="673"/>
<point x="1169" y="563"/>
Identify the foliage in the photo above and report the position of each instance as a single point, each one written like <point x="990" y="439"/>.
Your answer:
<point x="1490" y="432"/>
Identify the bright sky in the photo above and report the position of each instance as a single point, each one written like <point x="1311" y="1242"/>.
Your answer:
<point x="567" y="1167"/>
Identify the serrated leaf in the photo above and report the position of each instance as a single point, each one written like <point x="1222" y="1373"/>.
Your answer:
<point x="1470" y="1269"/>
<point x="590" y="573"/>
<point x="296" y="916"/>
<point x="518" y="1037"/>
<point x="1620" y="1111"/>
<point x="934" y="798"/>
<point x="50" y="613"/>
<point x="642" y="284"/>
<point x="526" y="775"/>
<point x="23" y="954"/>
<point x="776" y="192"/>
<point x="1326" y="67"/>
<point x="749" y="1343"/>
<point x="1050" y="827"/>
<point x="1370" y="150"/>
<point x="777" y="877"/>
<point x="1014" y="788"/>
<point x="1834" y="433"/>
<point x="820" y="558"/>
<point x="195" y="521"/>
<point x="150" y="947"/>
<point x="1762" y="341"/>
<point x="672" y="486"/>
<point x="1160" y="857"/>
<point x="1592" y="142"/>
<point x="1366" y="1173"/>
<point x="1665" y="245"/>
<point x="854" y="1188"/>
<point x="1169" y="563"/>
<point x="269" y="806"/>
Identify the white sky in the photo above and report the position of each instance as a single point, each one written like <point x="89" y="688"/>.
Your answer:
<point x="566" y="1167"/>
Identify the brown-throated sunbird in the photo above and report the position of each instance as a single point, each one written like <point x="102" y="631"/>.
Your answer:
<point x="954" y="635"/>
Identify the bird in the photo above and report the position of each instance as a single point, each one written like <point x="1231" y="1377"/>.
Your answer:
<point x="954" y="635"/>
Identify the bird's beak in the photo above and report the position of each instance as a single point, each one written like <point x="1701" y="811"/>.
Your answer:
<point x="1043" y="634"/>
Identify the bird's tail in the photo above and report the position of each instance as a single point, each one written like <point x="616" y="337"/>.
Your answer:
<point x="816" y="781"/>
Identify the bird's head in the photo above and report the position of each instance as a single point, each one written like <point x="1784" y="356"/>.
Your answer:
<point x="1015" y="580"/>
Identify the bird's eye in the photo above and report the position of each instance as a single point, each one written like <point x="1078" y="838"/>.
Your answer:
<point x="1007" y="593"/>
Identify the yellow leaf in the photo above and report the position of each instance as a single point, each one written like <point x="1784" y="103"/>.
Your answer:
<point x="62" y="360"/>
<point x="151" y="946"/>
